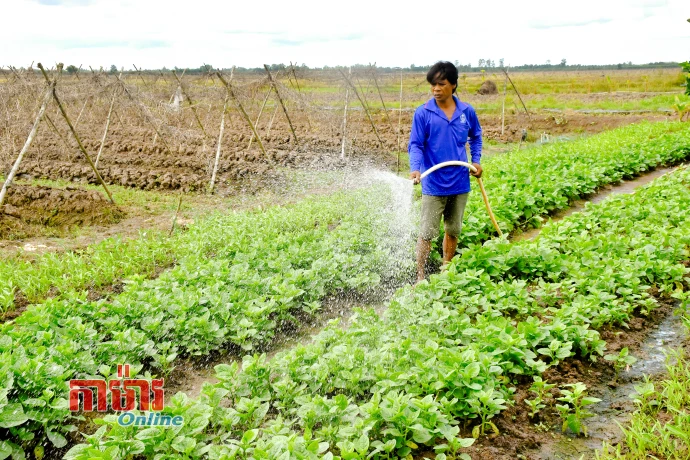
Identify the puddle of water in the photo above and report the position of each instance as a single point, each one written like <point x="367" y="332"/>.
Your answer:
<point x="624" y="187"/>
<point x="616" y="405"/>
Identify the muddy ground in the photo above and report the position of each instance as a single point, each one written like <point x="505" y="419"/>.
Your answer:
<point x="541" y="437"/>
<point x="29" y="207"/>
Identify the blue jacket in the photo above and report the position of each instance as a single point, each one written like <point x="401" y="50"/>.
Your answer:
<point x="435" y="139"/>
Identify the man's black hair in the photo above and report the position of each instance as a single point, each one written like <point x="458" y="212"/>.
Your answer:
<point x="443" y="70"/>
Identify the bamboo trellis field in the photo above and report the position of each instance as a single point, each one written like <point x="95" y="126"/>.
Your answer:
<point x="164" y="127"/>
<point x="156" y="139"/>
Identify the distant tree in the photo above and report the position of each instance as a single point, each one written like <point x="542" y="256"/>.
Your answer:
<point x="113" y="69"/>
<point x="548" y="62"/>
<point x="206" y="68"/>
<point x="481" y="63"/>
<point x="500" y="62"/>
<point x="563" y="62"/>
<point x="71" y="69"/>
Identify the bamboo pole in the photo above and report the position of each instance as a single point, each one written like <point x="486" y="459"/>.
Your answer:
<point x="29" y="140"/>
<point x="347" y="102"/>
<point x="275" y="87"/>
<point x="146" y="85"/>
<point x="74" y="133"/>
<point x="76" y="123"/>
<point x="299" y="90"/>
<point x="220" y="142"/>
<point x="190" y="103"/>
<point x="364" y="106"/>
<point x="400" y="119"/>
<point x="228" y="87"/>
<point x="268" y="93"/>
<point x="518" y="94"/>
<point x="273" y="117"/>
<point x="503" y="107"/>
<point x="175" y="92"/>
<point x="376" y="83"/>
<point x="107" y="125"/>
<point x="174" y="221"/>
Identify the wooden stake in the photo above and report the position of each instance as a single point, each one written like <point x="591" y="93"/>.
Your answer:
<point x="244" y="114"/>
<point x="29" y="140"/>
<point x="364" y="106"/>
<point x="347" y="102"/>
<point x="172" y="227"/>
<point x="107" y="125"/>
<point x="275" y="87"/>
<point x="220" y="141"/>
<point x="74" y="133"/>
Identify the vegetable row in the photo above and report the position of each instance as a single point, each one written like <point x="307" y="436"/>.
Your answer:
<point x="266" y="269"/>
<point x="447" y="351"/>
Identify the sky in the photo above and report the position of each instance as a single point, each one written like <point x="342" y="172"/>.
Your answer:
<point x="173" y="33"/>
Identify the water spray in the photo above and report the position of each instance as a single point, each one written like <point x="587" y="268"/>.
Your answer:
<point x="481" y="186"/>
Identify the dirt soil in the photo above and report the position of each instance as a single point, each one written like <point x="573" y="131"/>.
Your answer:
<point x="131" y="159"/>
<point x="28" y="207"/>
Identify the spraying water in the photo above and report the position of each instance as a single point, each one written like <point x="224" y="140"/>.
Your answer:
<point x="400" y="222"/>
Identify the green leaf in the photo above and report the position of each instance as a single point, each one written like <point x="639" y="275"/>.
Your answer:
<point x="362" y="444"/>
<point x="12" y="415"/>
<point x="5" y="450"/>
<point x="466" y="442"/>
<point x="249" y="436"/>
<point x="183" y="444"/>
<point x="57" y="439"/>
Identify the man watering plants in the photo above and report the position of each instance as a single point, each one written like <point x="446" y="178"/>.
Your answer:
<point x="440" y="129"/>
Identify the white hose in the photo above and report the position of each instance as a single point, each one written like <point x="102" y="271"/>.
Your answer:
<point x="447" y="163"/>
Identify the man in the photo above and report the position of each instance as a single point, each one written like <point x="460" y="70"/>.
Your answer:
<point x="440" y="129"/>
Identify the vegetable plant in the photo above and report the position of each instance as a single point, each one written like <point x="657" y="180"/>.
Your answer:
<point x="623" y="360"/>
<point x="573" y="412"/>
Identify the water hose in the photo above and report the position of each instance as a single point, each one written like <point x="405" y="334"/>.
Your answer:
<point x="481" y="186"/>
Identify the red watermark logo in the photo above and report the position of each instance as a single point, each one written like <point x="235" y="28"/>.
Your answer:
<point x="123" y="398"/>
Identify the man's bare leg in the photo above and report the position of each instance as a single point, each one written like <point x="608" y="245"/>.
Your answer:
<point x="450" y="244"/>
<point x="423" y="250"/>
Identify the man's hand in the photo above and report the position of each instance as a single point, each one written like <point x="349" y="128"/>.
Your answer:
<point x="477" y="174"/>
<point x="416" y="177"/>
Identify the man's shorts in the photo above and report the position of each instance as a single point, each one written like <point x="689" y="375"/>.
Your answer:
<point x="451" y="207"/>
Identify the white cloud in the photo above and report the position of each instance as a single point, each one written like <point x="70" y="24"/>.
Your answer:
<point x="156" y="33"/>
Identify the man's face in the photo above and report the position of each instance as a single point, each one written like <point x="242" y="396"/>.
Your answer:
<point x="442" y="90"/>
